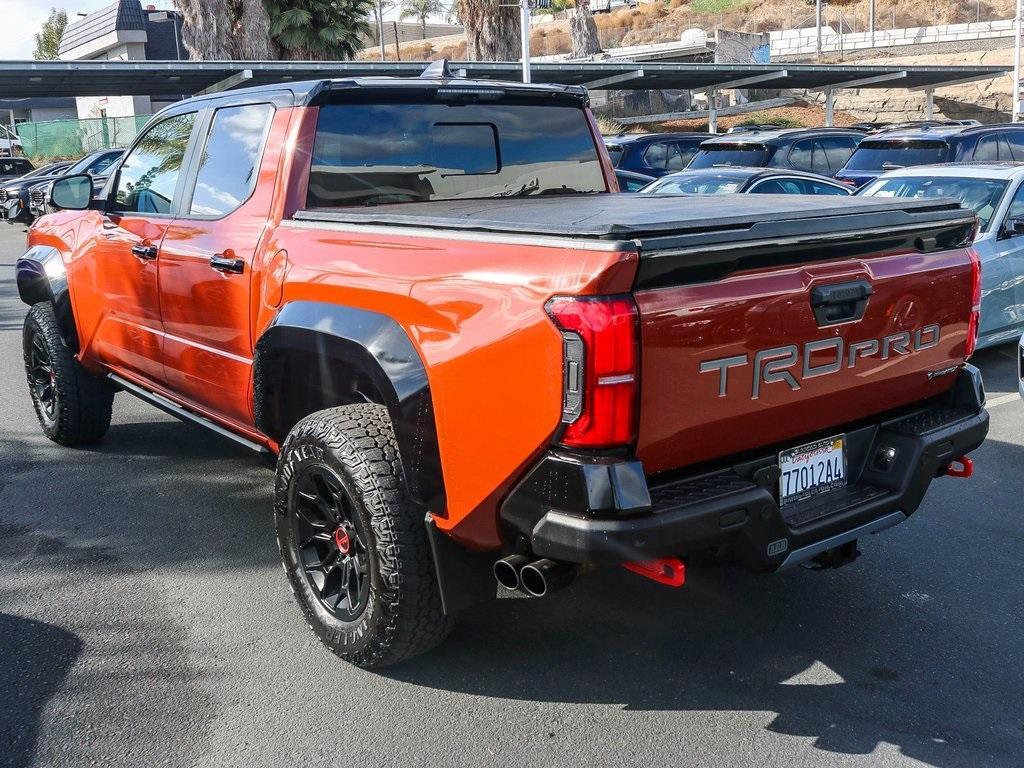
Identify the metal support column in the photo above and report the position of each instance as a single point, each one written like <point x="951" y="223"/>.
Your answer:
<point x="712" y="111"/>
<point x="830" y="107"/>
<point x="524" y="36"/>
<point x="929" y="103"/>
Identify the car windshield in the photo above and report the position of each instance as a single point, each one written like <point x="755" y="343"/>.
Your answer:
<point x="695" y="184"/>
<point x="746" y="155"/>
<point x="980" y="195"/>
<point x="883" y="155"/>
<point x="46" y="170"/>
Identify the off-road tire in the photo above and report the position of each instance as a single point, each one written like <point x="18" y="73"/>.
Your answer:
<point x="403" y="616"/>
<point x="81" y="413"/>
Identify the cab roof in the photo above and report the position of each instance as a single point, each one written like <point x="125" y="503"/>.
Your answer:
<point x="993" y="170"/>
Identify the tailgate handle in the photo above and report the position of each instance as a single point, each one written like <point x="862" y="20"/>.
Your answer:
<point x="840" y="302"/>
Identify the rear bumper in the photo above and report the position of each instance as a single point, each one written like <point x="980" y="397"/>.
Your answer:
<point x="602" y="510"/>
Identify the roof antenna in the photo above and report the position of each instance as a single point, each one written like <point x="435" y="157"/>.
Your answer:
<point x="438" y="70"/>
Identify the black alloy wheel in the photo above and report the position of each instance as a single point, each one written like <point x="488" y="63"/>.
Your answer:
<point x="330" y="543"/>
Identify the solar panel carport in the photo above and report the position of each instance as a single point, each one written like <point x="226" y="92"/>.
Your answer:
<point x="172" y="78"/>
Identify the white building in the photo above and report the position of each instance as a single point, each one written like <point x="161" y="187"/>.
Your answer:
<point x="123" y="31"/>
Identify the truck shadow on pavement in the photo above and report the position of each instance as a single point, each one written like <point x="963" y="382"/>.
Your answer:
<point x="36" y="658"/>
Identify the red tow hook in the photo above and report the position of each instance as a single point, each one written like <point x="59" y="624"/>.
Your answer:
<point x="670" y="571"/>
<point x="962" y="467"/>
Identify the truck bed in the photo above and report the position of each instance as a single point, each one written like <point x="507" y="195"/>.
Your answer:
<point x="695" y="218"/>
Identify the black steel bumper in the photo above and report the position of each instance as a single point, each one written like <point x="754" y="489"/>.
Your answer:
<point x="603" y="510"/>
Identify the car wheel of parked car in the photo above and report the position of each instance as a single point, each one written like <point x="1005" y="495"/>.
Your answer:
<point x="73" y="406"/>
<point x="354" y="548"/>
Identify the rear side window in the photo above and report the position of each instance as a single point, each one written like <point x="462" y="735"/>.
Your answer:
<point x="992" y="148"/>
<point x="778" y="187"/>
<point x="615" y="154"/>
<point x="14" y="167"/>
<point x="149" y="174"/>
<point x="837" y="150"/>
<point x="369" y="154"/>
<point x="230" y="160"/>
<point x="668" y="156"/>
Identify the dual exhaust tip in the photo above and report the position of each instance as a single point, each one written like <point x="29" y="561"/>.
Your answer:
<point x="534" y="577"/>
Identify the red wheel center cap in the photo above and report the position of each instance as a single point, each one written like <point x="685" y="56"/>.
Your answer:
<point x="343" y="541"/>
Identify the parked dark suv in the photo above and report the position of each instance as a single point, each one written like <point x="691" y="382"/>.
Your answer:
<point x="654" y="154"/>
<point x="818" y="150"/>
<point x="892" y="149"/>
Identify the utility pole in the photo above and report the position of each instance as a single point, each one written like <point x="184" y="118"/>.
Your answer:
<point x="1016" y="63"/>
<point x="524" y="34"/>
<point x="817" y="24"/>
<point x="871" y="21"/>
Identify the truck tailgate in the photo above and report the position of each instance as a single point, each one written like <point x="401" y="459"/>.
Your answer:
<point x="761" y="344"/>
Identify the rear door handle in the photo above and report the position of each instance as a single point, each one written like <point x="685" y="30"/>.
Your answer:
<point x="146" y="252"/>
<point x="224" y="263"/>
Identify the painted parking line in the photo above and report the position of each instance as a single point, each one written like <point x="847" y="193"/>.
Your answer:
<point x="1003" y="400"/>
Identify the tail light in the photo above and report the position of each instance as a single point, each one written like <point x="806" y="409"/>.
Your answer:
<point x="975" y="321"/>
<point x="601" y="369"/>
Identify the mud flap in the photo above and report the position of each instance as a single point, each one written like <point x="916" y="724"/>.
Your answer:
<point x="464" y="577"/>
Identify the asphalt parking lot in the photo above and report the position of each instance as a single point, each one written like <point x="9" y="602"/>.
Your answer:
<point x="144" y="620"/>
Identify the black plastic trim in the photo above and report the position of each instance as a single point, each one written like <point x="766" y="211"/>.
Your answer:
<point x="353" y="355"/>
<point x="568" y="509"/>
<point x="41" y="276"/>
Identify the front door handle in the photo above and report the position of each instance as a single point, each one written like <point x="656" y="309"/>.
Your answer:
<point x="145" y="252"/>
<point x="223" y="263"/>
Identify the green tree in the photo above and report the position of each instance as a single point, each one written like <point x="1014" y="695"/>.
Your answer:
<point x="324" y="30"/>
<point x="48" y="38"/>
<point x="421" y="10"/>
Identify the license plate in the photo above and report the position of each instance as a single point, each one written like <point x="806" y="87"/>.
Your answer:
<point x="814" y="468"/>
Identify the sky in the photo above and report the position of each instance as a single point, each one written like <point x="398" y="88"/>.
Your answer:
<point x="23" y="18"/>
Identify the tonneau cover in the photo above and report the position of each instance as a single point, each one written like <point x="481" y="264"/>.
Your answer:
<point x="636" y="216"/>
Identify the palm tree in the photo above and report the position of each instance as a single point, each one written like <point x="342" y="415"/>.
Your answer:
<point x="226" y="29"/>
<point x="492" y="30"/>
<point x="325" y="30"/>
<point x="420" y="9"/>
<point x="583" y="31"/>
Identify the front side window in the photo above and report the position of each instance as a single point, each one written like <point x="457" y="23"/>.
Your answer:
<point x="802" y="155"/>
<point x="101" y="163"/>
<point x="679" y="156"/>
<point x="370" y="154"/>
<point x="149" y="174"/>
<point x="230" y="160"/>
<point x="837" y="150"/>
<point x="980" y="195"/>
<point x="14" y="167"/>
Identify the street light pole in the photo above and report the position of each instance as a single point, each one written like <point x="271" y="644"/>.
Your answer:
<point x="380" y="27"/>
<point x="817" y="24"/>
<point x="1016" y="63"/>
<point x="524" y="34"/>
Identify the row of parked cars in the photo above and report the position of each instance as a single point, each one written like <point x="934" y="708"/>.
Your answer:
<point x="981" y="166"/>
<point x="23" y="193"/>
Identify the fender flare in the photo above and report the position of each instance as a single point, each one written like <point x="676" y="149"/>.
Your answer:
<point x="41" y="276"/>
<point x="358" y="356"/>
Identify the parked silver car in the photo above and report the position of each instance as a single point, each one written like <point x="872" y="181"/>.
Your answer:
<point x="995" y="191"/>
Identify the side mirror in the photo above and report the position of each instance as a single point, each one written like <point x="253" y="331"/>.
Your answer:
<point x="1014" y="226"/>
<point x="72" y="193"/>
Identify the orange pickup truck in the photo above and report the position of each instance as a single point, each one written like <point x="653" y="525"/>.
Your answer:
<point x="472" y="361"/>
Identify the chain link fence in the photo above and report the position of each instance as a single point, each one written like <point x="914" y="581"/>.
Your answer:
<point x="59" y="139"/>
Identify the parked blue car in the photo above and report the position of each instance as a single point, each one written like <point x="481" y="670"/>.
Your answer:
<point x="904" y="148"/>
<point x="653" y="154"/>
<point x="995" y="192"/>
